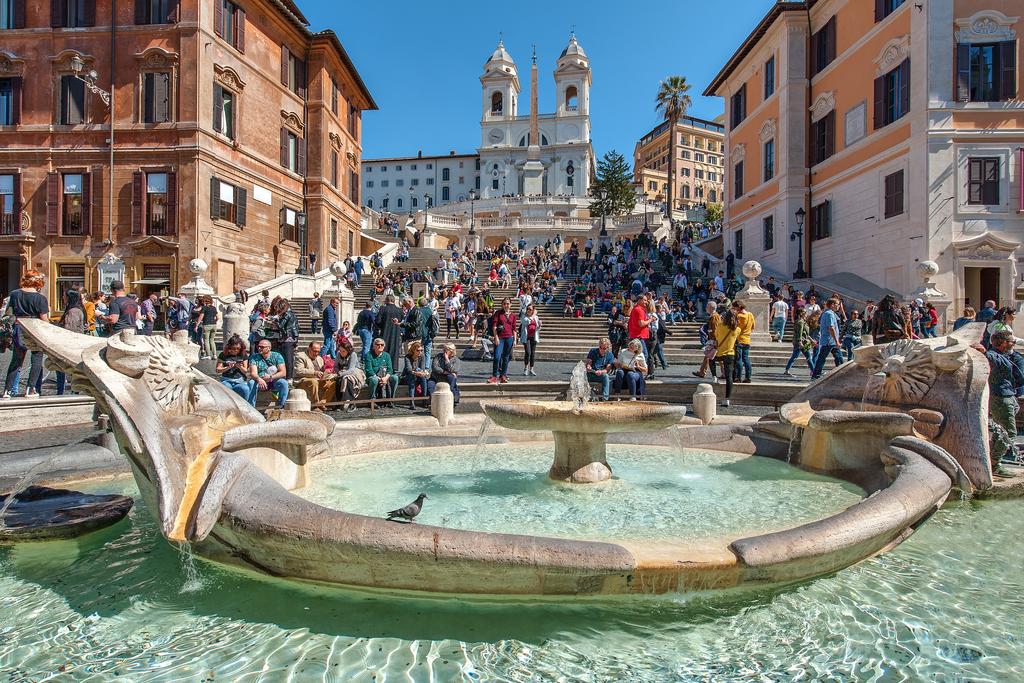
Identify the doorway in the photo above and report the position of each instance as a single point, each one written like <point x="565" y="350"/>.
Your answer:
<point x="225" y="277"/>
<point x="981" y="285"/>
<point x="10" y="274"/>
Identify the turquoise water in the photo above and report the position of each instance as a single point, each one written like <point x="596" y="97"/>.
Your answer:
<point x="656" y="493"/>
<point x="944" y="606"/>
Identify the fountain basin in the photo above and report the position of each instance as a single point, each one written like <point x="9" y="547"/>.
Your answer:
<point x="580" y="430"/>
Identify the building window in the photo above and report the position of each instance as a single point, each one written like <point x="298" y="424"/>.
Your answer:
<point x="10" y="205"/>
<point x="430" y="167"/>
<point x="415" y="202"/>
<point x="289" y="225"/>
<point x="153" y="11"/>
<point x="652" y="186"/>
<point x="334" y="233"/>
<point x="72" y="13"/>
<point x="821" y="221"/>
<point x="400" y="182"/>
<point x="334" y="98"/>
<point x="823" y="47"/>
<point x="769" y="77"/>
<point x="369" y="184"/>
<point x="494" y="183"/>
<point x="430" y="181"/>
<point x="496" y="104"/>
<point x="768" y="232"/>
<point x="698" y="173"/>
<point x="353" y="187"/>
<point x="383" y="169"/>
<point x="712" y="196"/>
<point x="351" y="242"/>
<point x="894" y="194"/>
<point x="737" y="180"/>
<point x="476" y="182"/>
<point x="892" y="95"/>
<point x="400" y="202"/>
<point x="334" y="169"/>
<point x="738" y="244"/>
<point x="684" y="154"/>
<point x="685" y="172"/>
<point x="414" y="182"/>
<point x="823" y="138"/>
<point x="713" y="160"/>
<point x="8" y="9"/>
<point x="385" y="183"/>
<point x="444" y="194"/>
<point x="72" y="101"/>
<point x="293" y="152"/>
<point x="684" y="192"/>
<point x="445" y="175"/>
<point x="10" y="100"/>
<point x="738" y="107"/>
<point x="698" y="157"/>
<point x="156" y="203"/>
<point x="69" y="276"/>
<point x="229" y="23"/>
<point x="987" y="73"/>
<point x="398" y="168"/>
<point x="412" y="167"/>
<point x="227" y="202"/>
<point x="224" y="111"/>
<point x="769" y="160"/>
<point x="571" y="98"/>
<point x="983" y="181"/>
<point x="369" y="203"/>
<point x="73" y="203"/>
<point x="156" y="97"/>
<point x="884" y="8"/>
<point x="293" y="72"/>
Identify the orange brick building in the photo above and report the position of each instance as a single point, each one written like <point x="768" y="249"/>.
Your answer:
<point x="898" y="127"/>
<point x="237" y="140"/>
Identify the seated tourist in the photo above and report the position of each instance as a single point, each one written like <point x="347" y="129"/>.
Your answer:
<point x="311" y="376"/>
<point x="632" y="369"/>
<point x="233" y="368"/>
<point x="601" y="366"/>
<point x="351" y="378"/>
<point x="380" y="371"/>
<point x="415" y="373"/>
<point x="267" y="369"/>
<point x="445" y="368"/>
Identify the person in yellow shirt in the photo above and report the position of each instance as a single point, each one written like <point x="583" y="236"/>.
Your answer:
<point x="726" y="334"/>
<point x="89" y="303"/>
<point x="745" y="321"/>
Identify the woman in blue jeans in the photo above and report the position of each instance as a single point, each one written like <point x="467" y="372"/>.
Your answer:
<point x="503" y="333"/>
<point x="801" y="341"/>
<point x="233" y="368"/>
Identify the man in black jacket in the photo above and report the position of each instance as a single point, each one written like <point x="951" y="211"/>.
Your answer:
<point x="445" y="368"/>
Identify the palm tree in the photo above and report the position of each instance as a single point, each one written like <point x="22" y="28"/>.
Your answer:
<point x="672" y="103"/>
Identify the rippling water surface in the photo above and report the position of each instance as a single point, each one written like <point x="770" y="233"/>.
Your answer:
<point x="944" y="606"/>
<point x="656" y="492"/>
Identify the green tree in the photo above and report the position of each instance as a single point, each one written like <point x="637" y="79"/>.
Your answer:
<point x="672" y="102"/>
<point x="714" y="213"/>
<point x="615" y="176"/>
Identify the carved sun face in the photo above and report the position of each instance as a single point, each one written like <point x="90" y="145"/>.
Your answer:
<point x="903" y="371"/>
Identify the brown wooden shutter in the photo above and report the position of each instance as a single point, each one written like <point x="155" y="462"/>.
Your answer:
<point x="284" y="147"/>
<point x="1008" y="70"/>
<point x="140" y="12"/>
<point x="162" y="97"/>
<point x="285" y="63"/>
<point x="240" y="29"/>
<point x="148" y="84"/>
<point x="218" y="108"/>
<point x="16" y="101"/>
<point x="218" y="18"/>
<point x="830" y="40"/>
<point x="904" y="93"/>
<point x="16" y="202"/>
<point x="87" y="195"/>
<point x="172" y="203"/>
<point x="240" y="205"/>
<point x="974" y="177"/>
<point x="95" y="205"/>
<point x="90" y="12"/>
<point x="830" y="134"/>
<point x="879" y="102"/>
<point x="55" y="13"/>
<point x="300" y="79"/>
<point x="214" y="198"/>
<point x="990" y="188"/>
<point x="53" y="203"/>
<point x="879" y="10"/>
<point x="963" y="72"/>
<point x="19" y="14"/>
<point x="138" y="202"/>
<point x="300" y="153"/>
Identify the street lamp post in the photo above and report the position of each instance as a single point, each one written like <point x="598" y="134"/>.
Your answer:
<point x="798" y="236"/>
<point x="426" y="209"/>
<point x="90" y="82"/>
<point x="472" y="212"/>
<point x="604" y="214"/>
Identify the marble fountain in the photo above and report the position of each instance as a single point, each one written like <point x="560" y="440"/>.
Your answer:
<point x="904" y="423"/>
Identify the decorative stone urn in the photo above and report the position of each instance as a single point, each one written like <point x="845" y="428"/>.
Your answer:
<point x="756" y="300"/>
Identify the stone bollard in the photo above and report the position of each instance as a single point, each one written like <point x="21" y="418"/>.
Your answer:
<point x="236" y="321"/>
<point x="297" y="400"/>
<point x="705" y="403"/>
<point x="442" y="404"/>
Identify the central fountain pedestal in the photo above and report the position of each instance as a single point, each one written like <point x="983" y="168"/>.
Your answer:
<point x="580" y="458"/>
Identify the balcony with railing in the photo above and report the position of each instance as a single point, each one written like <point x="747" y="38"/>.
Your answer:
<point x="10" y="224"/>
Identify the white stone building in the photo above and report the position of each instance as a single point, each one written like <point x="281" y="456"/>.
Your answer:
<point x="406" y="184"/>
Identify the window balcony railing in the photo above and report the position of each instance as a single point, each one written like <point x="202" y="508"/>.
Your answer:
<point x="9" y="224"/>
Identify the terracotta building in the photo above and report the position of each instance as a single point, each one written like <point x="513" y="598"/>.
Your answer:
<point x="896" y="129"/>
<point x="698" y="164"/>
<point x="237" y="140"/>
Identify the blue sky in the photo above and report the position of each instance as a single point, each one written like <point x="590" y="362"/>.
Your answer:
<point x="422" y="61"/>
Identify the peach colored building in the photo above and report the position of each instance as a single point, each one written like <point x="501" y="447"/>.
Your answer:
<point x="698" y="166"/>
<point x="236" y="140"/>
<point x="898" y="127"/>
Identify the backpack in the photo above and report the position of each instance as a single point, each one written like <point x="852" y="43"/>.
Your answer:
<point x="433" y="326"/>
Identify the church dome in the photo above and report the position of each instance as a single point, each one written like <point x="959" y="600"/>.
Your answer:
<point x="500" y="54"/>
<point x="572" y="49"/>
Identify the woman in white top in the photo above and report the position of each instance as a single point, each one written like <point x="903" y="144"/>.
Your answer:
<point x="631" y="367"/>
<point x="1003" y="320"/>
<point x="529" y="332"/>
<point x="452" y="306"/>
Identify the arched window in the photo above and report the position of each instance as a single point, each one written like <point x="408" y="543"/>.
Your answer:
<point x="415" y="202"/>
<point x="497" y="103"/>
<point x="572" y="98"/>
<point x="399" y="202"/>
<point x="369" y="203"/>
<point x="525" y="140"/>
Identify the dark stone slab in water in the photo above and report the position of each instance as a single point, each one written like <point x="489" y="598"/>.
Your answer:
<point x="42" y="514"/>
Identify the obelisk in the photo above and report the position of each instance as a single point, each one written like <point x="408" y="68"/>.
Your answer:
<point x="533" y="170"/>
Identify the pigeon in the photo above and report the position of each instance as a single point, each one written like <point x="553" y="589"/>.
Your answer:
<point x="410" y="511"/>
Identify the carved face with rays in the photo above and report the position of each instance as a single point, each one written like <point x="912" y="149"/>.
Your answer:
<point x="164" y="365"/>
<point x="903" y="371"/>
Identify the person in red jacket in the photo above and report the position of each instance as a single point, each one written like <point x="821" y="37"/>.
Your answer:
<point x="639" y="323"/>
<point x="503" y="331"/>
